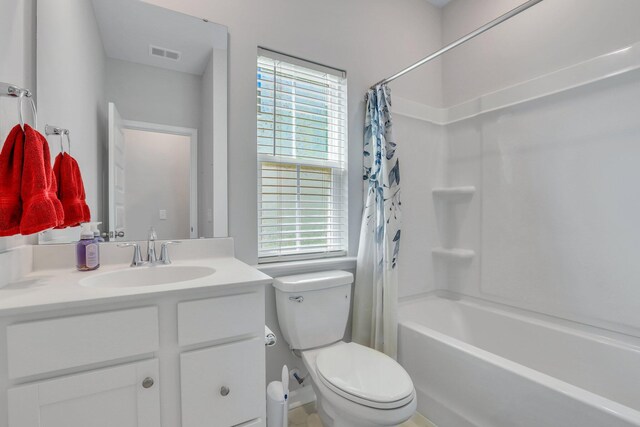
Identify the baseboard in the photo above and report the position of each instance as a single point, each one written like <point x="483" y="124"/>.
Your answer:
<point x="301" y="396"/>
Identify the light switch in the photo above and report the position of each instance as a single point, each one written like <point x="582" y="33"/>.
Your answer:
<point x="163" y="214"/>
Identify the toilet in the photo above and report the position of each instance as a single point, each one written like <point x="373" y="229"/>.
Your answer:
<point x="355" y="386"/>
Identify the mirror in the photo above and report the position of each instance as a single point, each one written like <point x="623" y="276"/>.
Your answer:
<point x="143" y="93"/>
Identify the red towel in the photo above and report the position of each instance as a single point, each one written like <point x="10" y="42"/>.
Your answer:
<point x="71" y="191"/>
<point x="10" y="178"/>
<point x="41" y="209"/>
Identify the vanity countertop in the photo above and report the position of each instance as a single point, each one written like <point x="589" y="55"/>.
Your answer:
<point x="60" y="288"/>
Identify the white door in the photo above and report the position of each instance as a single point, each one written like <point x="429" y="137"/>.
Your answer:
<point x="221" y="385"/>
<point x="122" y="396"/>
<point x="117" y="183"/>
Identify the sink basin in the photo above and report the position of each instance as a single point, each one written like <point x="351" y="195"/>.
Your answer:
<point x="147" y="276"/>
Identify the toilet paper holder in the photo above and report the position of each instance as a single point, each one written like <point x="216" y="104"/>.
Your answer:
<point x="269" y="337"/>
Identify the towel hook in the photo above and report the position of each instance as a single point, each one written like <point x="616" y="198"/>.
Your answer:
<point x="68" y="135"/>
<point x="61" y="132"/>
<point x="13" y="91"/>
<point x="22" y="95"/>
<point x="20" y="117"/>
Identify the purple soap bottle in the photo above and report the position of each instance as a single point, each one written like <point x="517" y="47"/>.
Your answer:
<point x="87" y="250"/>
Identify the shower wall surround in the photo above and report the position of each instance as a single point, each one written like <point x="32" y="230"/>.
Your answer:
<point x="423" y="159"/>
<point x="553" y="221"/>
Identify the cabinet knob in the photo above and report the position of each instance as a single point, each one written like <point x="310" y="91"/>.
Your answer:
<point x="147" y="382"/>
<point x="224" y="390"/>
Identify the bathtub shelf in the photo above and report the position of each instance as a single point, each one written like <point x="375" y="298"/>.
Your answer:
<point x="458" y="254"/>
<point x="454" y="193"/>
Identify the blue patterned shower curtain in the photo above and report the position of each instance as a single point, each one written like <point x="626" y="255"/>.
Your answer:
<point x="375" y="318"/>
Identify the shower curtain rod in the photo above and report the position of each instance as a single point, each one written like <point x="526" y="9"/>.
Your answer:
<point x="462" y="40"/>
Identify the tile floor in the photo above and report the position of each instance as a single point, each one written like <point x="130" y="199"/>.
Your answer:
<point x="306" y="416"/>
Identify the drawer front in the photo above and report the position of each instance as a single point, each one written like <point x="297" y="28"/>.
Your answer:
<point x="223" y="385"/>
<point x="69" y="342"/>
<point x="220" y="318"/>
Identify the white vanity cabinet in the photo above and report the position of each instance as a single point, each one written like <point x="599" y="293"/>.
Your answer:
<point x="186" y="359"/>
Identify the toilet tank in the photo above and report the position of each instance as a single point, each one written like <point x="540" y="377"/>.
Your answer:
<point x="313" y="308"/>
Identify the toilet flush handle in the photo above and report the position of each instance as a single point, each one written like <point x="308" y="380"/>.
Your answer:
<point x="296" y="299"/>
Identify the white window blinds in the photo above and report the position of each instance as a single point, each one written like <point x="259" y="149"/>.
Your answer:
<point x="302" y="162"/>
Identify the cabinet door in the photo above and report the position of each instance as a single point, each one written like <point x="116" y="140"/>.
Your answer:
<point x="112" y="397"/>
<point x="223" y="386"/>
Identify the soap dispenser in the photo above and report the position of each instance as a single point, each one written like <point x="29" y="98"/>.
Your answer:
<point x="96" y="231"/>
<point x="87" y="250"/>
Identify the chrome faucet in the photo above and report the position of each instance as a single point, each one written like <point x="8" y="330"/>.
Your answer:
<point x="152" y="259"/>
<point x="164" y="251"/>
<point x="151" y="246"/>
<point x="137" y="256"/>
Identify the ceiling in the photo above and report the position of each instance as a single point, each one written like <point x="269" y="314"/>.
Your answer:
<point x="439" y="3"/>
<point x="129" y="27"/>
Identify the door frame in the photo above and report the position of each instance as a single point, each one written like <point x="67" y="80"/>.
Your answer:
<point x="192" y="134"/>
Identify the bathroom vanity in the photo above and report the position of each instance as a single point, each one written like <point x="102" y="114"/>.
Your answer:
<point x="82" y="348"/>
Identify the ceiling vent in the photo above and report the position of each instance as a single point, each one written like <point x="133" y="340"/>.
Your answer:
<point x="161" y="52"/>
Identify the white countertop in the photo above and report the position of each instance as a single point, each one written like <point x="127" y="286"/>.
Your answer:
<point x="55" y="288"/>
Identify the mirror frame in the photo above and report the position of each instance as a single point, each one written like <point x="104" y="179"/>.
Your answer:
<point x="220" y="141"/>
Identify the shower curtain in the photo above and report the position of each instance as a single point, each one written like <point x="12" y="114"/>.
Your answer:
<point x="375" y="321"/>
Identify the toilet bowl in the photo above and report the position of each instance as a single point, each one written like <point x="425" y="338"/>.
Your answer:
<point x="355" y="386"/>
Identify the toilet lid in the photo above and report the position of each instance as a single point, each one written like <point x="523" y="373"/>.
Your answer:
<point x="365" y="376"/>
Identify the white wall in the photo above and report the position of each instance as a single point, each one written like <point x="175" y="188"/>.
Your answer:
<point x="155" y="95"/>
<point x="17" y="66"/>
<point x="72" y="61"/>
<point x="554" y="222"/>
<point x="17" y="55"/>
<point x="155" y="182"/>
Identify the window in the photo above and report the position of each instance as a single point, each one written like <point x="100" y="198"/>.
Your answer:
<point x="302" y="161"/>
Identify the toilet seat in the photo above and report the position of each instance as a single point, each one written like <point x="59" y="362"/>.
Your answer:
<point x="364" y="376"/>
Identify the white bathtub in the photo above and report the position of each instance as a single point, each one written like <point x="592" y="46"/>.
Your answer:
<point x="480" y="364"/>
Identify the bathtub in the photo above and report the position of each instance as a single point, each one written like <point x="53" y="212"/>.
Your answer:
<point x="475" y="363"/>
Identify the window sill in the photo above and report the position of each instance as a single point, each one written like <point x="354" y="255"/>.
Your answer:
<point x="278" y="269"/>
